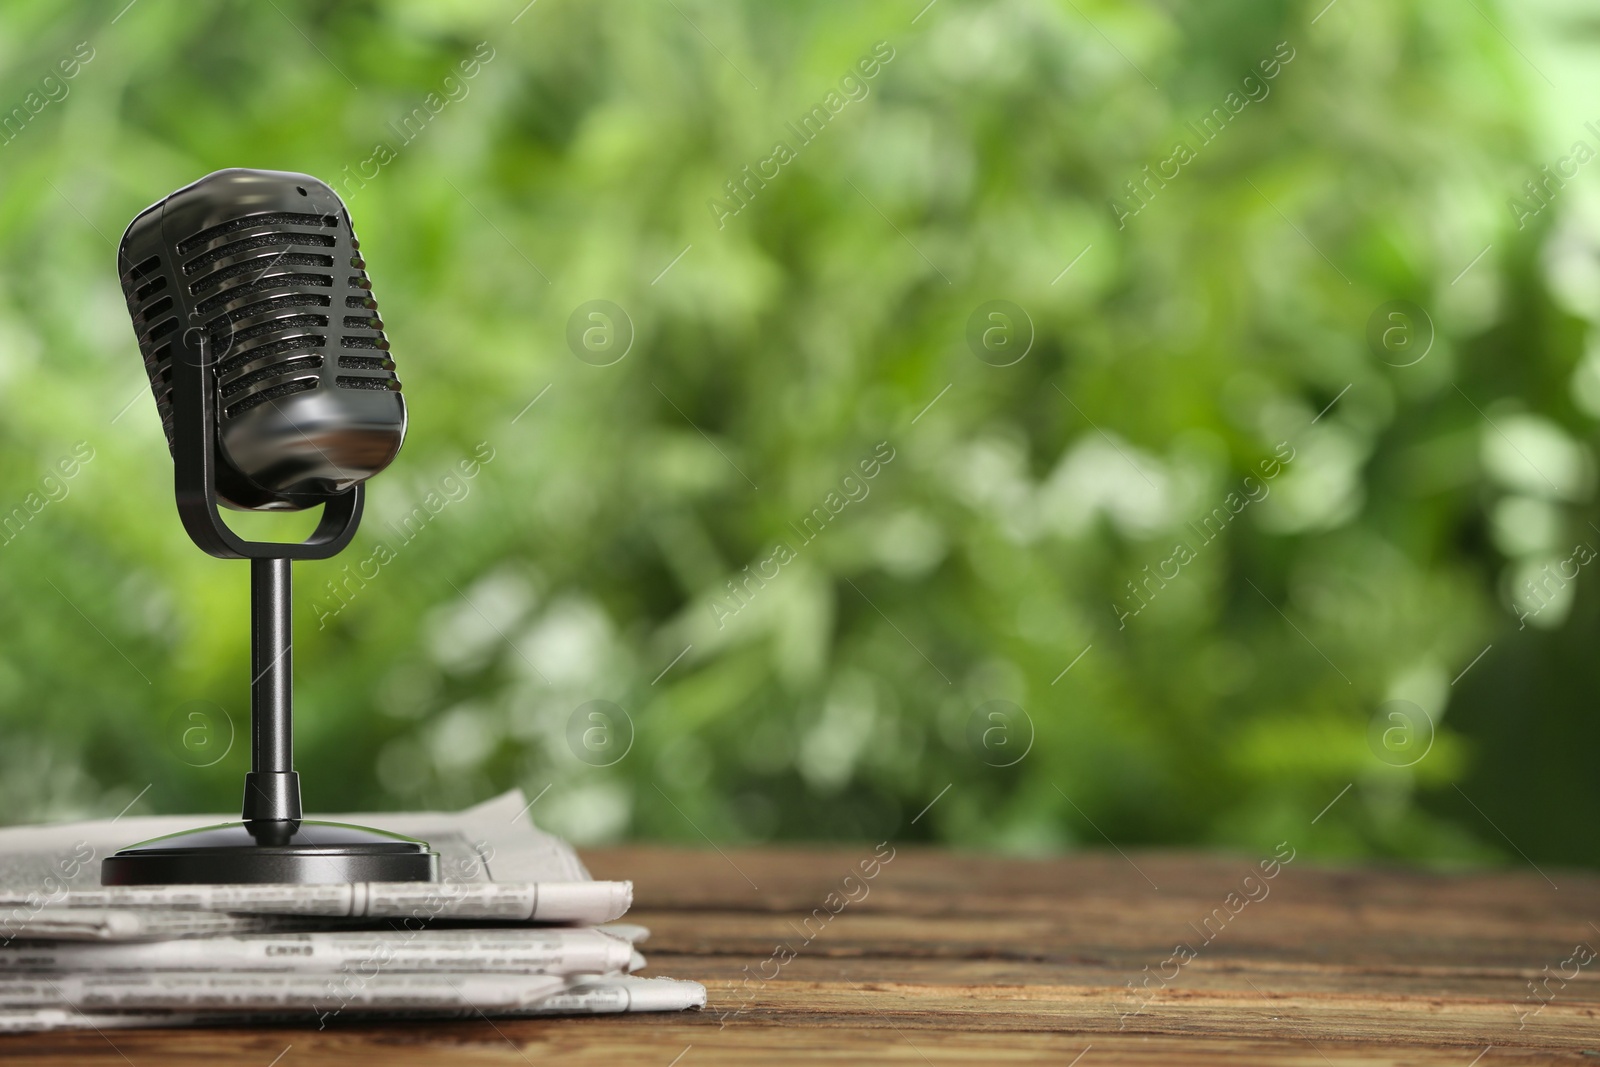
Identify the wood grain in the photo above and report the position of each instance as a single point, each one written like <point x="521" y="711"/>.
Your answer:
<point x="948" y="959"/>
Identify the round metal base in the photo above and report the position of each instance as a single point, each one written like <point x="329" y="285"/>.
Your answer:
<point x="276" y="852"/>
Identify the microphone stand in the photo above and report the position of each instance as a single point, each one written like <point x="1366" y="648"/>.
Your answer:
<point x="272" y="842"/>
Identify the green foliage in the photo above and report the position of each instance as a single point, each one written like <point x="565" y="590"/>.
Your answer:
<point x="1206" y="333"/>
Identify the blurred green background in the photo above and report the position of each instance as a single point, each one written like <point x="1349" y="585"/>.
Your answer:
<point x="1384" y="652"/>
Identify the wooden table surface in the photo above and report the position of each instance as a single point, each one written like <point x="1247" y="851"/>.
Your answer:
<point x="945" y="958"/>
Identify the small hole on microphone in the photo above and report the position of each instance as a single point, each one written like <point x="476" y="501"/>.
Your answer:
<point x="301" y="191"/>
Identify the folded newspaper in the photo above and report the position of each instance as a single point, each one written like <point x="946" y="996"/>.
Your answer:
<point x="76" y="954"/>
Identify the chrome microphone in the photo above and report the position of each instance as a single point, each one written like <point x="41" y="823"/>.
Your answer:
<point x="259" y="274"/>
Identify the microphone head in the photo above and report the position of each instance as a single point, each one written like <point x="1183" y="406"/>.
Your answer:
<point x="259" y="274"/>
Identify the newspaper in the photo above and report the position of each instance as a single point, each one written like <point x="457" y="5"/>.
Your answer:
<point x="270" y="990"/>
<point x="556" y="902"/>
<point x="76" y="954"/>
<point x="578" y="996"/>
<point x="537" y="950"/>
<point x="108" y="924"/>
<point x="494" y="865"/>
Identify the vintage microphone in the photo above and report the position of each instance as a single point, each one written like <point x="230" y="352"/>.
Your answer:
<point x="273" y="380"/>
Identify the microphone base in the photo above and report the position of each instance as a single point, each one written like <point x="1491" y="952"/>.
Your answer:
<point x="288" y="852"/>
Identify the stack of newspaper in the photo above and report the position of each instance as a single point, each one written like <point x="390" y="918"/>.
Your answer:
<point x="516" y="926"/>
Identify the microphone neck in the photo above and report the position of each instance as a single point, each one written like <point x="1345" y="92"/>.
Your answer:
<point x="272" y="788"/>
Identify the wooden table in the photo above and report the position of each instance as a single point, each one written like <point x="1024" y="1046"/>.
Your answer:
<point x="945" y="958"/>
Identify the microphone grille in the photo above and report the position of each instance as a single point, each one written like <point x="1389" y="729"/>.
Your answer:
<point x="260" y="275"/>
<point x="241" y="276"/>
<point x="268" y="287"/>
<point x="155" y="319"/>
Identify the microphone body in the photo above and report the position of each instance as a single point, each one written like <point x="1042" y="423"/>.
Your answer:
<point x="258" y="275"/>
